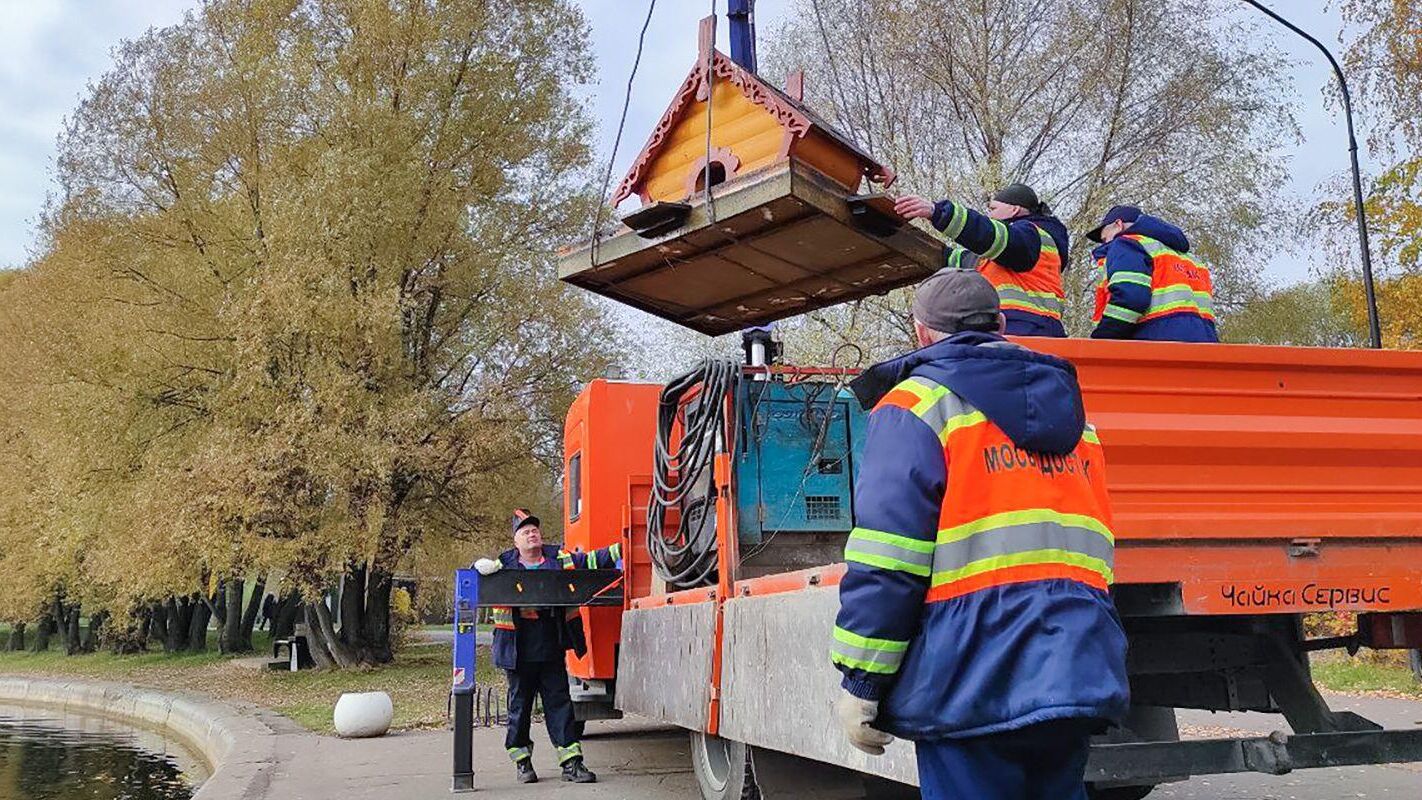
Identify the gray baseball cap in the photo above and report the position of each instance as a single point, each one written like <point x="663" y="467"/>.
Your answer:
<point x="952" y="298"/>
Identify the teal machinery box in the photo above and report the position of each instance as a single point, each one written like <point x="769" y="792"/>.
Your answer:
<point x="797" y="458"/>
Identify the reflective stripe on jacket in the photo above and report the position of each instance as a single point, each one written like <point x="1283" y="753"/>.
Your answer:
<point x="1036" y="291"/>
<point x="1178" y="285"/>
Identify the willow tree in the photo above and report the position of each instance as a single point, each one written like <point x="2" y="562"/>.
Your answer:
<point x="331" y="225"/>
<point x="1092" y="102"/>
<point x="50" y="495"/>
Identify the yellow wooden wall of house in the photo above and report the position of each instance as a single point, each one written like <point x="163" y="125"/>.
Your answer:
<point x="753" y="136"/>
<point x="751" y="133"/>
<point x="829" y="157"/>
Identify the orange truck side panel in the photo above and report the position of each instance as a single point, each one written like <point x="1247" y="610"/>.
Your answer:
<point x="1235" y="442"/>
<point x="613" y="444"/>
<point x="1261" y="479"/>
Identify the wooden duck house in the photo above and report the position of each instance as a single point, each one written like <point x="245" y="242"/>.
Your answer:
<point x="751" y="211"/>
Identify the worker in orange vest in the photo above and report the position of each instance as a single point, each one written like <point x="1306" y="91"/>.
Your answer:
<point x="1151" y="286"/>
<point x="974" y="617"/>
<point x="1018" y="246"/>
<point x="530" y="646"/>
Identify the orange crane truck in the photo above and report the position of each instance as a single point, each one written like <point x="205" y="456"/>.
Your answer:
<point x="1251" y="485"/>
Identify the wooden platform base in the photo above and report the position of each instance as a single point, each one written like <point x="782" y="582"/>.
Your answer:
<point x="768" y="246"/>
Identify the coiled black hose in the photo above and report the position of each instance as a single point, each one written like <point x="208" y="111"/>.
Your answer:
<point x="686" y="557"/>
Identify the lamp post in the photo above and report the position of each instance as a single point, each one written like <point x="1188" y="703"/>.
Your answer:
<point x="1374" y="329"/>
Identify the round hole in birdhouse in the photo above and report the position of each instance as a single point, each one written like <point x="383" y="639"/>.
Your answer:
<point x="715" y="174"/>
<point x="721" y="166"/>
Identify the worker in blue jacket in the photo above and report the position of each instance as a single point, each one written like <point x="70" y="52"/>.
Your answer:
<point x="1151" y="287"/>
<point x="1018" y="245"/>
<point x="974" y="617"/>
<point x="530" y="646"/>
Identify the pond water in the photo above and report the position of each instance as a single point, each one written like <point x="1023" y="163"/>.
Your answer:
<point x="54" y="755"/>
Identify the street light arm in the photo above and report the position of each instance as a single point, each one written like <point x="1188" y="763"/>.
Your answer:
<point x="1328" y="54"/>
<point x="1369" y="293"/>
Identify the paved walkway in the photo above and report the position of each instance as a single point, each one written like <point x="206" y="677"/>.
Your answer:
<point x="637" y="760"/>
<point x="442" y="636"/>
<point x="634" y="761"/>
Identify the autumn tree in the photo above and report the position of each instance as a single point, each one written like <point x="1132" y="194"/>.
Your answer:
<point x="1384" y="63"/>
<point x="1093" y="102"/>
<point x="313" y="241"/>
<point x="1307" y="314"/>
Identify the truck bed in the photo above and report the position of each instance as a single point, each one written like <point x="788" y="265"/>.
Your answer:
<point x="1261" y="479"/>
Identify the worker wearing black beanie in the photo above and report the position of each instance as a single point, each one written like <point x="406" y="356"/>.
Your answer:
<point x="1018" y="245"/>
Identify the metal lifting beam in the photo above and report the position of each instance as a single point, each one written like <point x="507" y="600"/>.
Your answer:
<point x="741" y="15"/>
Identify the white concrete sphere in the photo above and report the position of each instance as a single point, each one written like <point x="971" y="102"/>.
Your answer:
<point x="362" y="714"/>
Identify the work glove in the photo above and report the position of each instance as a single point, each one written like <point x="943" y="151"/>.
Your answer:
<point x="856" y="715"/>
<point x="487" y="566"/>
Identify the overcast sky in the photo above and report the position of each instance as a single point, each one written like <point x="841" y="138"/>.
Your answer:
<point x="49" y="50"/>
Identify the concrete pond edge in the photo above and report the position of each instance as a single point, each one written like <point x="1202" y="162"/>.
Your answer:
<point x="237" y="745"/>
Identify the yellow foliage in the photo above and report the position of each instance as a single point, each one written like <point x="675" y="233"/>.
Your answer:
<point x="298" y="309"/>
<point x="402" y="608"/>
<point x="1399" y="308"/>
<point x="1386" y="62"/>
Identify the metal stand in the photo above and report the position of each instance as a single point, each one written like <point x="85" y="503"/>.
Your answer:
<point x="466" y="604"/>
<point x="463" y="742"/>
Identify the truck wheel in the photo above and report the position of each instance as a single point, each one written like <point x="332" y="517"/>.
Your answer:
<point x="722" y="768"/>
<point x="1118" y="792"/>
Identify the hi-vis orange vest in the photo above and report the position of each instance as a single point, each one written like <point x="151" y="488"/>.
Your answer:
<point x="1009" y="515"/>
<point x="1178" y="285"/>
<point x="1036" y="291"/>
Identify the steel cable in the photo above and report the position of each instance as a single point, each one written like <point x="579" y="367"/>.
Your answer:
<point x="621" y="123"/>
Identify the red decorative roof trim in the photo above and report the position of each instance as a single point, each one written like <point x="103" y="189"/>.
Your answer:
<point x="789" y="114"/>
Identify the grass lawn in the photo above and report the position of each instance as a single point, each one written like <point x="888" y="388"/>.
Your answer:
<point x="418" y="681"/>
<point x="1342" y="673"/>
<point x="484" y="627"/>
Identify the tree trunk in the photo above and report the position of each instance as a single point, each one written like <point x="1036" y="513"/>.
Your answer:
<point x="73" y="641"/>
<point x="132" y="636"/>
<point x="17" y="637"/>
<point x="342" y="655"/>
<point x="353" y="609"/>
<point x="180" y="619"/>
<point x="60" y="615"/>
<point x="290" y="607"/>
<point x="315" y="641"/>
<point x="43" y="631"/>
<point x="230" y="639"/>
<point x="254" y="607"/>
<point x="158" y="623"/>
<point x="197" y="630"/>
<point x="377" y="616"/>
<point x="92" y="635"/>
<point x="217" y="604"/>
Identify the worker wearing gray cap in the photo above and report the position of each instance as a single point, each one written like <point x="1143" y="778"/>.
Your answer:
<point x="974" y="617"/>
<point x="1018" y="245"/>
